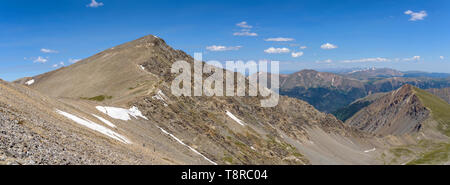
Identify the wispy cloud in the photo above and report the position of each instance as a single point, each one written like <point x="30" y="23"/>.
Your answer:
<point x="328" y="61"/>
<point x="441" y="57"/>
<point x="60" y="64"/>
<point x="45" y="50"/>
<point x="223" y="48"/>
<point x="245" y="31"/>
<point x="279" y="39"/>
<point x="416" y="16"/>
<point x="296" y="54"/>
<point x="40" y="60"/>
<point x="94" y="4"/>
<point x="273" y="50"/>
<point x="364" y="60"/>
<point x="303" y="47"/>
<point x="244" y="24"/>
<point x="414" y="58"/>
<point x="71" y="60"/>
<point x="328" y="46"/>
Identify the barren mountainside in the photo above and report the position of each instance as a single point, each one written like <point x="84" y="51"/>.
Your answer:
<point x="203" y="130"/>
<point x="397" y="113"/>
<point x="116" y="107"/>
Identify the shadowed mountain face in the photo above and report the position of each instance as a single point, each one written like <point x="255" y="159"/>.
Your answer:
<point x="348" y="111"/>
<point x="196" y="130"/>
<point x="329" y="92"/>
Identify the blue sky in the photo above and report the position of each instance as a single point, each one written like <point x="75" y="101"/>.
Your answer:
<point x="38" y="36"/>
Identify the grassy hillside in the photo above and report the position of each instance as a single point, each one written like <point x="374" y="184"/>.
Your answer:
<point x="440" y="109"/>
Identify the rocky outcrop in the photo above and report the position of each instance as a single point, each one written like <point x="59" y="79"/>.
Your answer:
<point x="396" y="113"/>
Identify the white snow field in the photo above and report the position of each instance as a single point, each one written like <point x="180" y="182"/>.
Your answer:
<point x="94" y="126"/>
<point x="120" y="113"/>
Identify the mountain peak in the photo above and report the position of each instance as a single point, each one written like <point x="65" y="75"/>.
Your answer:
<point x="399" y="112"/>
<point x="405" y="89"/>
<point x="150" y="39"/>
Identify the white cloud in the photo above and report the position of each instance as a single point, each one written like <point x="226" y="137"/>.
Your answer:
<point x="272" y="50"/>
<point x="279" y="39"/>
<point x="40" y="60"/>
<point x="296" y="54"/>
<point x="71" y="60"/>
<point x="223" y="48"/>
<point x="328" y="46"/>
<point x="363" y="60"/>
<point x="441" y="57"/>
<point x="328" y="61"/>
<point x="245" y="33"/>
<point x="95" y="4"/>
<point x="414" y="58"/>
<point x="58" y="65"/>
<point x="45" y="50"/>
<point x="244" y="24"/>
<point x="303" y="47"/>
<point x="415" y="16"/>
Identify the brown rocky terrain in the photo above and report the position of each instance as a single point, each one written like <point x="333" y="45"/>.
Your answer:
<point x="396" y="113"/>
<point x="199" y="130"/>
<point x="117" y="107"/>
<point x="415" y="121"/>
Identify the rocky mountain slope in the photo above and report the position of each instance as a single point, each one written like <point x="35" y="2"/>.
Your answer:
<point x="32" y="132"/>
<point x="397" y="113"/>
<point x="351" y="109"/>
<point x="129" y="86"/>
<point x="409" y="113"/>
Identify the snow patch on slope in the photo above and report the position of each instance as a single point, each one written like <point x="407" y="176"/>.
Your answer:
<point x="94" y="126"/>
<point x="235" y="118"/>
<point x="142" y="67"/>
<point x="182" y="143"/>
<point x="29" y="82"/>
<point x="120" y="113"/>
<point x="161" y="96"/>
<point x="371" y="150"/>
<point x="105" y="121"/>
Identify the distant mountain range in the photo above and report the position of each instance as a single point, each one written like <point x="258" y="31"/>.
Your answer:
<point x="384" y="72"/>
<point x="329" y="92"/>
